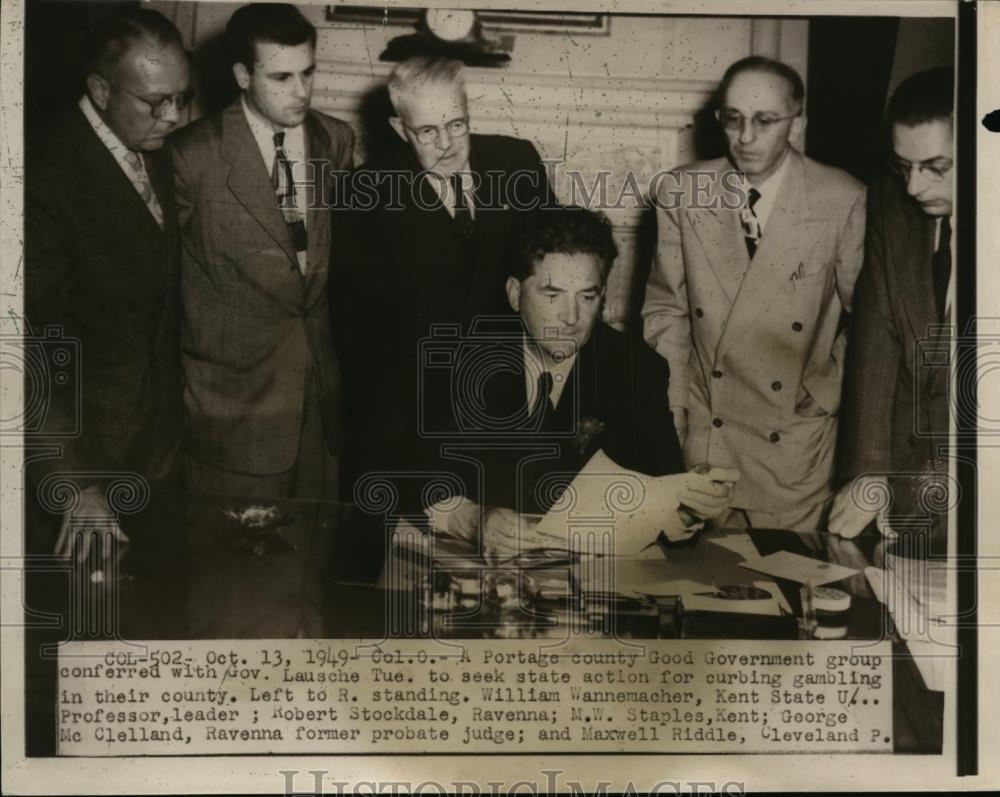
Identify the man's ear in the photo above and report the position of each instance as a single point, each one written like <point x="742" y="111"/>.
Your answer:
<point x="99" y="90"/>
<point x="398" y="126"/>
<point x="514" y="293"/>
<point x="798" y="131"/>
<point x="242" y="75"/>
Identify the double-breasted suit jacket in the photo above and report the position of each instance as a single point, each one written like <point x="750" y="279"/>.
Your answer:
<point x="254" y="327"/>
<point x="756" y="347"/>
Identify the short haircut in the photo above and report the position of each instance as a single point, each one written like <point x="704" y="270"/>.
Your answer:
<point x="423" y="70"/>
<point x="923" y="97"/>
<point x="273" y="23"/>
<point x="568" y="230"/>
<point x="117" y="33"/>
<point x="769" y="66"/>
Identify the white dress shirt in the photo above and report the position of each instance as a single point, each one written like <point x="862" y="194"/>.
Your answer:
<point x="445" y="191"/>
<point x="768" y="191"/>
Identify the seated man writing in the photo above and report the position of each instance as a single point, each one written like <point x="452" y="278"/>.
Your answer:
<point x="564" y="388"/>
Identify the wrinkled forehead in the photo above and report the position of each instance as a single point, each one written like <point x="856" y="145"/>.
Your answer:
<point x="759" y="92"/>
<point x="154" y="67"/>
<point x="432" y="103"/>
<point x="923" y="142"/>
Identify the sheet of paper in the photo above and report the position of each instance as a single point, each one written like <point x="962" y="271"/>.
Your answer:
<point x="931" y="644"/>
<point x="795" y="567"/>
<point x="610" y="509"/>
<point x="739" y="543"/>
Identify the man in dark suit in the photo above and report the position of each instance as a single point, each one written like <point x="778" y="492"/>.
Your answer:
<point x="102" y="256"/>
<point x="421" y="244"/>
<point x="538" y="402"/>
<point x="262" y="380"/>
<point x="896" y="398"/>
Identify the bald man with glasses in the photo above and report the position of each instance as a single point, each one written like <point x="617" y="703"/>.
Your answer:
<point x="422" y="243"/>
<point x="102" y="264"/>
<point x="747" y="300"/>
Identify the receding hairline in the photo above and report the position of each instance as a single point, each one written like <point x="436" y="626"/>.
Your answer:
<point x="137" y="48"/>
<point x="756" y="70"/>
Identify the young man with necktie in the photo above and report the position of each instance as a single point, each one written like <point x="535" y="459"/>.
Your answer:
<point x="755" y="268"/>
<point x="262" y="380"/>
<point x="895" y="414"/>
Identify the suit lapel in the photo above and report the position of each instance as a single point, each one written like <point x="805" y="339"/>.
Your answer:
<point x="249" y="180"/>
<point x="913" y="267"/>
<point x="720" y="235"/>
<point x="790" y="232"/>
<point x="487" y="218"/>
<point x="318" y="148"/>
<point x="121" y="209"/>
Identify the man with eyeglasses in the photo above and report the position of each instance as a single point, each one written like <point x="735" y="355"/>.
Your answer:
<point x="422" y="244"/>
<point x="263" y="384"/>
<point x="755" y="267"/>
<point x="102" y="266"/>
<point x="896" y="395"/>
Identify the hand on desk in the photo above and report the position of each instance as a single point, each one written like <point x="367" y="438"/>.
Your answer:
<point x="859" y="502"/>
<point x="703" y="493"/>
<point x="92" y="515"/>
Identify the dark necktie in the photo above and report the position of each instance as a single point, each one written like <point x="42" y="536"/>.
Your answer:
<point x="463" y="216"/>
<point x="284" y="187"/>
<point x="941" y="266"/>
<point x="544" y="392"/>
<point x="751" y="224"/>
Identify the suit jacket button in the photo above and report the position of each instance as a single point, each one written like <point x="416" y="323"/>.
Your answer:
<point x="716" y="422"/>
<point x="776" y="386"/>
<point x="699" y="312"/>
<point x="797" y="326"/>
<point x="774" y="437"/>
<point x="716" y="374"/>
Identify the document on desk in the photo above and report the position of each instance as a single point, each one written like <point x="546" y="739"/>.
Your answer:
<point x="618" y="510"/>
<point x="796" y="567"/>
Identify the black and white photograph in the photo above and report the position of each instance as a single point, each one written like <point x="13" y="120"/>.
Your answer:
<point x="519" y="398"/>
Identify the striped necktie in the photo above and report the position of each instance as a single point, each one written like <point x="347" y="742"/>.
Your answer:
<point x="284" y="187"/>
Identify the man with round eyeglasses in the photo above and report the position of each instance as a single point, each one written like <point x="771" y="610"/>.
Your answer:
<point x="102" y="256"/>
<point x="893" y="459"/>
<point x="422" y="243"/>
<point x="756" y="261"/>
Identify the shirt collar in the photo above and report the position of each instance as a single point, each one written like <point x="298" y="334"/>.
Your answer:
<point x="107" y="136"/>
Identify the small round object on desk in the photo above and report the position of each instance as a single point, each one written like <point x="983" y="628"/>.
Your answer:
<point x="833" y="611"/>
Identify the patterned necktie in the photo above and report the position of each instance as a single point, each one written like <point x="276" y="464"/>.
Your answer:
<point x="284" y="187"/>
<point x="463" y="216"/>
<point x="751" y="224"/>
<point x="941" y="267"/>
<point x="140" y="179"/>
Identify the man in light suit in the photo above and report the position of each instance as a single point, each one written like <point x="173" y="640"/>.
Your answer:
<point x="423" y="244"/>
<point x="102" y="263"/>
<point x="746" y="300"/>
<point x="896" y="394"/>
<point x="262" y="380"/>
